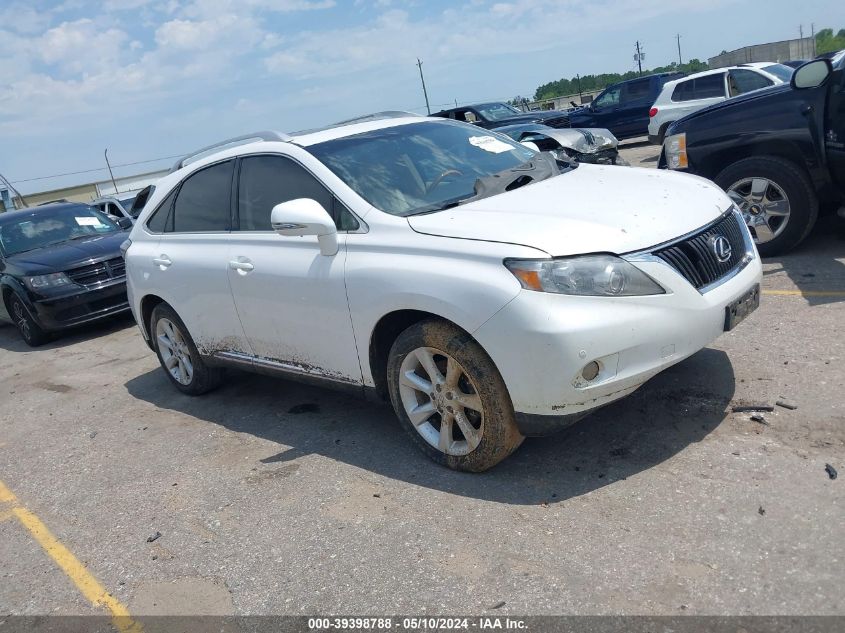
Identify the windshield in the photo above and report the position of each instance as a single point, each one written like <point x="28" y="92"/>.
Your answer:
<point x="782" y="72"/>
<point x="46" y="227"/>
<point x="497" y="111"/>
<point x="419" y="167"/>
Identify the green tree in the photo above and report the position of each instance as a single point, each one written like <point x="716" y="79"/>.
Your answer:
<point x="827" y="42"/>
<point x="590" y="83"/>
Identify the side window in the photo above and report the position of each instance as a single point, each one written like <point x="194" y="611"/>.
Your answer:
<point x="140" y="200"/>
<point x="204" y="201"/>
<point x="637" y="90"/>
<point x="742" y="81"/>
<point x="265" y="181"/>
<point x="710" y="86"/>
<point x="159" y="221"/>
<point x="609" y="97"/>
<point x="683" y="91"/>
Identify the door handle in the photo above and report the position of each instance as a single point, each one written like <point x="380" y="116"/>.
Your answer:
<point x="241" y="267"/>
<point x="162" y="261"/>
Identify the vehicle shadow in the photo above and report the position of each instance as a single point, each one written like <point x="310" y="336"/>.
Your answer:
<point x="675" y="409"/>
<point x="817" y="266"/>
<point x="11" y="341"/>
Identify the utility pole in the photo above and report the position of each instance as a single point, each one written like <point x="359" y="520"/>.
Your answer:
<point x="813" y="37"/>
<point x="14" y="191"/>
<point x="106" y="154"/>
<point x="639" y="58"/>
<point x="680" y="61"/>
<point x="422" y="79"/>
<point x="801" y="40"/>
<point x="580" y="96"/>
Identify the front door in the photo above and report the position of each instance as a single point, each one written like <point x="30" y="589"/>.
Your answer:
<point x="291" y="299"/>
<point x="834" y="127"/>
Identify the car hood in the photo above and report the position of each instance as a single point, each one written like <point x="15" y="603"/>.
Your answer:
<point x="591" y="209"/>
<point x="739" y="100"/>
<point x="67" y="255"/>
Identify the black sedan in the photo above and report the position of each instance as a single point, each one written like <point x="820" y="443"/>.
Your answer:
<point x="60" y="266"/>
<point x="497" y="114"/>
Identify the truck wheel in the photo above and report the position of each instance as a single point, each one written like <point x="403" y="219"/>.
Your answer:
<point x="450" y="397"/>
<point x="31" y="333"/>
<point x="776" y="199"/>
<point x="178" y="354"/>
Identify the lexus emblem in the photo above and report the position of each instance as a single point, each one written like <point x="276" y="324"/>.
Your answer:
<point x="721" y="248"/>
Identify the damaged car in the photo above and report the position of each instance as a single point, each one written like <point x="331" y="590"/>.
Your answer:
<point x="595" y="146"/>
<point x="487" y="291"/>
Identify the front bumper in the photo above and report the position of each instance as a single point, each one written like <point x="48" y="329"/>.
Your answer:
<point x="83" y="305"/>
<point x="540" y="342"/>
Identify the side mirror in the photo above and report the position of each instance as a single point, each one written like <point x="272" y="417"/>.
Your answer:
<point x="304" y="216"/>
<point x="811" y="74"/>
<point x="124" y="223"/>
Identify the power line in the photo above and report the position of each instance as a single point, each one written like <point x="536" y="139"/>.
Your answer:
<point x="89" y="171"/>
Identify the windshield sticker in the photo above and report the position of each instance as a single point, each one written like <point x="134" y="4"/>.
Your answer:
<point x="490" y="144"/>
<point x="88" y="221"/>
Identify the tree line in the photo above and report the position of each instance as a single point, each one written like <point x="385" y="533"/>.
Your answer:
<point x="826" y="41"/>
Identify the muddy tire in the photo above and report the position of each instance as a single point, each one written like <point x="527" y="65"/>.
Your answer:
<point x="450" y="398"/>
<point x="777" y="195"/>
<point x="31" y="333"/>
<point x="178" y="354"/>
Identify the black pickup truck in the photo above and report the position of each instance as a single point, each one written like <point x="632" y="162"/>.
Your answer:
<point x="779" y="152"/>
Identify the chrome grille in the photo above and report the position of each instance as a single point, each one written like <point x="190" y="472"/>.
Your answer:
<point x="695" y="258"/>
<point x="98" y="273"/>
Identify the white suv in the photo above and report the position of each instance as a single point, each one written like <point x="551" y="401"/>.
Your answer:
<point x="694" y="92"/>
<point x="487" y="290"/>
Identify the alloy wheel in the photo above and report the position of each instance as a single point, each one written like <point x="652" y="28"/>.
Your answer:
<point x="175" y="354"/>
<point x="441" y="401"/>
<point x="763" y="204"/>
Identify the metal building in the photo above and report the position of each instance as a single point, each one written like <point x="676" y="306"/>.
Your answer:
<point x="804" y="48"/>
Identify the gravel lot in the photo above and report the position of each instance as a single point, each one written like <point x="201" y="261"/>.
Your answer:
<point x="662" y="503"/>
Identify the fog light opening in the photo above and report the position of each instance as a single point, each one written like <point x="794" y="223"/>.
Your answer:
<point x="590" y="371"/>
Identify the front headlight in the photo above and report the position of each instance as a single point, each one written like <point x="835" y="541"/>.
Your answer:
<point x="675" y="147"/>
<point x="42" y="282"/>
<point x="590" y="276"/>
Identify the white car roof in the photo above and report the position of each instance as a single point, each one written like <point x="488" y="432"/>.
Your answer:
<point x="669" y="86"/>
<point x="312" y="137"/>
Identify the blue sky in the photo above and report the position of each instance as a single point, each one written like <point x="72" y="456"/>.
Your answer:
<point x="155" y="78"/>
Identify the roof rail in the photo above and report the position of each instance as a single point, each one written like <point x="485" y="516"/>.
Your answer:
<point x="238" y="140"/>
<point x="375" y="116"/>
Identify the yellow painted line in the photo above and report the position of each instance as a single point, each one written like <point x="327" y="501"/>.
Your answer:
<point x="6" y="495"/>
<point x="806" y="293"/>
<point x="71" y="566"/>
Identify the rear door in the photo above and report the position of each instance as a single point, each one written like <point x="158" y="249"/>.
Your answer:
<point x="190" y="265"/>
<point x="702" y="92"/>
<point x="290" y="298"/>
<point x="632" y="116"/>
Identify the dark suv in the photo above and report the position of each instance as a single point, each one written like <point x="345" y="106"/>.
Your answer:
<point x="60" y="266"/>
<point x="778" y="152"/>
<point x="623" y="108"/>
